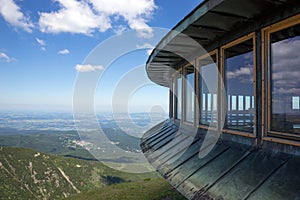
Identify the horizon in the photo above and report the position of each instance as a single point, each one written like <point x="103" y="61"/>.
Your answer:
<point x="41" y="59"/>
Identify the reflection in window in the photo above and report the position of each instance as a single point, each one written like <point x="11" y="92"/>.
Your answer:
<point x="295" y="103"/>
<point x="285" y="81"/>
<point x="239" y="86"/>
<point x="179" y="95"/>
<point x="208" y="90"/>
<point x="189" y="94"/>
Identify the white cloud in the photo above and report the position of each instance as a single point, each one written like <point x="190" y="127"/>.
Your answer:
<point x="12" y="14"/>
<point x="119" y="29"/>
<point x="240" y="72"/>
<point x="88" y="68"/>
<point x="87" y="16"/>
<point x="142" y="29"/>
<point x="285" y="66"/>
<point x="40" y="41"/>
<point x="5" y="58"/>
<point x="146" y="46"/>
<point x="135" y="12"/>
<point x="43" y="48"/>
<point x="64" y="51"/>
<point x="74" y="17"/>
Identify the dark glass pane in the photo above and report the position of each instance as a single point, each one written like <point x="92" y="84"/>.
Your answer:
<point x="239" y="85"/>
<point x="208" y="91"/>
<point x="189" y="94"/>
<point x="285" y="80"/>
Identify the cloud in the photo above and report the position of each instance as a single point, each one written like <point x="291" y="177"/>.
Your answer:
<point x="88" y="68"/>
<point x="146" y="46"/>
<point x="64" y="51"/>
<point x="12" y="14"/>
<point x="88" y="16"/>
<point x="135" y="12"/>
<point x="285" y="66"/>
<point x="43" y="48"/>
<point x="119" y="29"/>
<point x="73" y="17"/>
<point x="40" y="41"/>
<point x="243" y="71"/>
<point x="5" y="58"/>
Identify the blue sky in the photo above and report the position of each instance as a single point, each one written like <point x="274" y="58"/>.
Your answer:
<point x="42" y="42"/>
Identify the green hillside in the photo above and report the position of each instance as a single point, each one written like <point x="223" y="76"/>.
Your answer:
<point x="29" y="174"/>
<point x="139" y="190"/>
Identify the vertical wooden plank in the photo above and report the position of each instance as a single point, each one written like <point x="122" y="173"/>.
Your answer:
<point x="196" y="90"/>
<point x="237" y="111"/>
<point x="244" y="110"/>
<point x="176" y="97"/>
<point x="206" y="106"/>
<point x="229" y="112"/>
<point x="183" y="95"/>
<point x="211" y="107"/>
<point x="258" y="95"/>
<point x="171" y="98"/>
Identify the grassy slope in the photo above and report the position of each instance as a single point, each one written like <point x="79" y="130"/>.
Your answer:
<point x="28" y="174"/>
<point x="139" y="190"/>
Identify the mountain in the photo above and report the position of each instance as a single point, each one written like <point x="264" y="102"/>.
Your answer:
<point x="29" y="174"/>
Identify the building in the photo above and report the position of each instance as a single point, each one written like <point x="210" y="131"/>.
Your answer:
<point x="233" y="69"/>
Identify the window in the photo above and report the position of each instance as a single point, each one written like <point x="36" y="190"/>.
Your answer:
<point x="208" y="90"/>
<point x="189" y="93"/>
<point x="239" y="84"/>
<point x="284" y="78"/>
<point x="179" y="95"/>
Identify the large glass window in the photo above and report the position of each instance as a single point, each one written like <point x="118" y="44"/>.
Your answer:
<point x="179" y="95"/>
<point x="239" y="85"/>
<point x="285" y="80"/>
<point x="208" y="90"/>
<point x="189" y="93"/>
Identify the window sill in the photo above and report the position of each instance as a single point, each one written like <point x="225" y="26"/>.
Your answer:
<point x="213" y="128"/>
<point x="282" y="141"/>
<point x="244" y="134"/>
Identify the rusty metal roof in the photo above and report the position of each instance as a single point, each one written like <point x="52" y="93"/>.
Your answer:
<point x="229" y="171"/>
<point x="209" y="25"/>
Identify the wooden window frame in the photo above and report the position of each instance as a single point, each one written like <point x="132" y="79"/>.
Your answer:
<point x="171" y="97"/>
<point x="224" y="107"/>
<point x="197" y="77"/>
<point x="174" y="98"/>
<point x="268" y="134"/>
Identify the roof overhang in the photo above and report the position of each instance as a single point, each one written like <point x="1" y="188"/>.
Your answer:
<point x="210" y="25"/>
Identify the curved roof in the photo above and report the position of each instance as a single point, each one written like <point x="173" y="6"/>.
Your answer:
<point x="211" y="24"/>
<point x="229" y="171"/>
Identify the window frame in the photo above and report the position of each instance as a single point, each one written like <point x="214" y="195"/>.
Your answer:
<point x="199" y="99"/>
<point x="171" y="97"/>
<point x="224" y="107"/>
<point x="175" y="96"/>
<point x="184" y="92"/>
<point x="268" y="134"/>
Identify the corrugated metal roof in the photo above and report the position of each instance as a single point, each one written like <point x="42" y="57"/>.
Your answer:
<point x="229" y="171"/>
